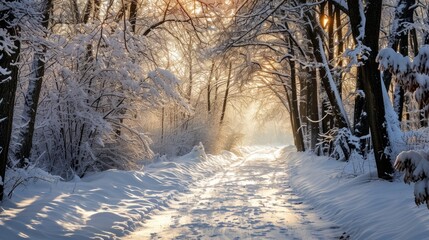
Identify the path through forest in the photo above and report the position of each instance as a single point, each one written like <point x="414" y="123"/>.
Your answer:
<point x="251" y="199"/>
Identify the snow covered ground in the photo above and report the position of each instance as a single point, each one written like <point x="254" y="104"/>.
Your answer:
<point x="265" y="193"/>
<point x="251" y="199"/>
<point x="350" y="194"/>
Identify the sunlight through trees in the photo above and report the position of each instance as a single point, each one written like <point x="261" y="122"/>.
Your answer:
<point x="90" y="85"/>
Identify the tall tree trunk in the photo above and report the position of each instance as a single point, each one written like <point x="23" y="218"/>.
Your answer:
<point x="25" y="136"/>
<point x="361" y="125"/>
<point x="423" y="122"/>
<point x="162" y="124"/>
<point x="8" y="84"/>
<point x="340" y="48"/>
<point x="312" y="108"/>
<point x="191" y="72"/>
<point x="328" y="121"/>
<point x="313" y="30"/>
<point x="133" y="15"/>
<point x="293" y="102"/>
<point x="372" y="85"/>
<point x="426" y="32"/>
<point x="303" y="103"/>
<point x="75" y="11"/>
<point x="225" y="99"/>
<point x="294" y="107"/>
<point x="398" y="38"/>
<point x="209" y="88"/>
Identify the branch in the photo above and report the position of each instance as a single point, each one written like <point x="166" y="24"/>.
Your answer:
<point x="145" y="33"/>
<point x="341" y="4"/>
<point x="256" y="25"/>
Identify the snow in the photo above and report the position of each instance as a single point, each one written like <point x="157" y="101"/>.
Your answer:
<point x="412" y="75"/>
<point x="415" y="164"/>
<point x="342" y="3"/>
<point x="4" y="71"/>
<point x="2" y="119"/>
<point x="103" y="205"/>
<point x="395" y="134"/>
<point x="257" y="193"/>
<point x="251" y="199"/>
<point x="350" y="194"/>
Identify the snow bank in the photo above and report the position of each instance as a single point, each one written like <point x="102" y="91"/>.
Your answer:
<point x="104" y="205"/>
<point x="350" y="195"/>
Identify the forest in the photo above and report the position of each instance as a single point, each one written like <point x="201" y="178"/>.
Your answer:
<point x="92" y="85"/>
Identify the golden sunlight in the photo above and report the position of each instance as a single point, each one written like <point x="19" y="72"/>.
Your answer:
<point x="324" y="20"/>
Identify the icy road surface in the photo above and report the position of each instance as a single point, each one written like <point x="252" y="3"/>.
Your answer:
<point x="251" y="199"/>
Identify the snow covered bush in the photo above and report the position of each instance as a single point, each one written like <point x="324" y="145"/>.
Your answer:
<point x="415" y="164"/>
<point x="95" y="90"/>
<point x="412" y="75"/>
<point x="341" y="141"/>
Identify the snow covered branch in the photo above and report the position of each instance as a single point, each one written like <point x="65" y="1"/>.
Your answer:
<point x="415" y="164"/>
<point x="411" y="74"/>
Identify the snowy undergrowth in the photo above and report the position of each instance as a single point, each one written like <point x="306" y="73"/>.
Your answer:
<point x="103" y="205"/>
<point x="364" y="206"/>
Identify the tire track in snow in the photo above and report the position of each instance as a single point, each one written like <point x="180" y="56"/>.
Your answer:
<point x="249" y="200"/>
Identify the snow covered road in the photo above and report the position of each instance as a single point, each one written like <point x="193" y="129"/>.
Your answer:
<point x="250" y="199"/>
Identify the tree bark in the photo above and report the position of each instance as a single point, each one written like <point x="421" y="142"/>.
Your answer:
<point x="340" y="48"/>
<point x="312" y="108"/>
<point x="398" y="38"/>
<point x="133" y="15"/>
<point x="25" y="135"/>
<point x="372" y="85"/>
<point x="225" y="99"/>
<point x="293" y="103"/>
<point x="313" y="31"/>
<point x="360" y="123"/>
<point x="209" y="88"/>
<point x="8" y="84"/>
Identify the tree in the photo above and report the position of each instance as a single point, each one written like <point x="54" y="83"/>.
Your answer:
<point x="9" y="55"/>
<point x="398" y="40"/>
<point x="26" y="133"/>
<point x="293" y="102"/>
<point x="371" y="81"/>
<point x="314" y="32"/>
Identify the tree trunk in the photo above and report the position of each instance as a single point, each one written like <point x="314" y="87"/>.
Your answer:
<point x="361" y="125"/>
<point x="225" y="99"/>
<point x="312" y="108"/>
<point x="303" y="104"/>
<point x="293" y="103"/>
<point x="8" y="85"/>
<point x="133" y="15"/>
<point x="25" y="136"/>
<point x="399" y="38"/>
<point x="426" y="32"/>
<point x="313" y="31"/>
<point x="191" y="73"/>
<point x="340" y="48"/>
<point x="209" y="88"/>
<point x="372" y="85"/>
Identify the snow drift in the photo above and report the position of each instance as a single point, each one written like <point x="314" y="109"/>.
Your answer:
<point x="103" y="205"/>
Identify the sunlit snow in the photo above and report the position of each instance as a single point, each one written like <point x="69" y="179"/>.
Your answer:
<point x="258" y="193"/>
